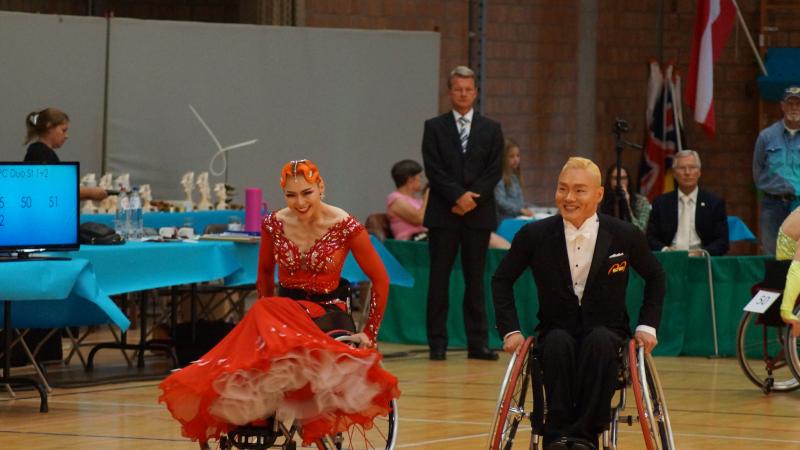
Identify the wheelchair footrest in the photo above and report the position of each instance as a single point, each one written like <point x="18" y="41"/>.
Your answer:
<point x="251" y="437"/>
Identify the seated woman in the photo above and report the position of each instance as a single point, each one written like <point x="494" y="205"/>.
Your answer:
<point x="276" y="361"/>
<point x="406" y="211"/>
<point x="638" y="208"/>
<point x="785" y="249"/>
<point x="508" y="192"/>
<point x="403" y="206"/>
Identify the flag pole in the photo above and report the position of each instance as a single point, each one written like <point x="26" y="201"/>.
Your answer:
<point x="749" y="38"/>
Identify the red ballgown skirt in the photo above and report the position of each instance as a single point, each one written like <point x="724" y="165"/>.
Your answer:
<point x="276" y="362"/>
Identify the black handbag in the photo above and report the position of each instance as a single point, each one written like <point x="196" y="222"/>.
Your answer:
<point x="94" y="233"/>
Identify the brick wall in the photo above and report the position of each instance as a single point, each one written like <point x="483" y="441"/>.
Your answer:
<point x="531" y="70"/>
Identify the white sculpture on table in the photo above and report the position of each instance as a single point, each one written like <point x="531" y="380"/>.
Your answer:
<point x="205" y="192"/>
<point x="123" y="181"/>
<point x="147" y="197"/>
<point x="109" y="204"/>
<point x="222" y="194"/>
<point x="188" y="186"/>
<point x="89" y="180"/>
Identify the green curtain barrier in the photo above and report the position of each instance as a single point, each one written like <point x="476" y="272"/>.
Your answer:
<point x="685" y="322"/>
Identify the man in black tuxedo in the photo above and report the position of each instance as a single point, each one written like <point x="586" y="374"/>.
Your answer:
<point x="462" y="152"/>
<point x="688" y="218"/>
<point x="580" y="262"/>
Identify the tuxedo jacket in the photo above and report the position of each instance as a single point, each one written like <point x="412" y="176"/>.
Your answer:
<point x="710" y="222"/>
<point x="452" y="172"/>
<point x="541" y="246"/>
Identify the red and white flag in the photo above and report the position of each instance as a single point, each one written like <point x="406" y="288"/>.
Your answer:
<point x="711" y="30"/>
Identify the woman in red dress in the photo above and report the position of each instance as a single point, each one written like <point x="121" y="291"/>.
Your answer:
<point x="276" y="361"/>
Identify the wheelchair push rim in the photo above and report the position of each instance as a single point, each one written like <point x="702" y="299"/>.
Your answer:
<point x="791" y="349"/>
<point x="766" y="361"/>
<point x="650" y="402"/>
<point x="382" y="435"/>
<point x="512" y="398"/>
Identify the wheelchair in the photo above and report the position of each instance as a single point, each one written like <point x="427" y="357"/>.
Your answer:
<point x="522" y="397"/>
<point x="271" y="433"/>
<point x="765" y="349"/>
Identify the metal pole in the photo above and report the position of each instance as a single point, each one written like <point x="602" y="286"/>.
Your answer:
<point x="712" y="302"/>
<point x="749" y="38"/>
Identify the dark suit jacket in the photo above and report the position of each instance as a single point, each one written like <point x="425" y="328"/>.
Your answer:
<point x="542" y="247"/>
<point x="451" y="172"/>
<point x="710" y="221"/>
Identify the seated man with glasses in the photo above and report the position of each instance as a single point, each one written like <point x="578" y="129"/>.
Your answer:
<point x="688" y="218"/>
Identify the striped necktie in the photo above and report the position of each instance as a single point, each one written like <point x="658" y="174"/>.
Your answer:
<point x="463" y="133"/>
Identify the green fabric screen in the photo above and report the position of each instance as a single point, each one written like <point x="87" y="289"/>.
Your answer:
<point x="685" y="323"/>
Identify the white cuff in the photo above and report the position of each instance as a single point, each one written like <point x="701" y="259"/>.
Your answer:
<point x="647" y="329"/>
<point x="509" y="334"/>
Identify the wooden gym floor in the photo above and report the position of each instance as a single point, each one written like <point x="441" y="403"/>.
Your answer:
<point x="444" y="405"/>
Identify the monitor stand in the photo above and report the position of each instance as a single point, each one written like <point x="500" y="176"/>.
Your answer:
<point x="28" y="256"/>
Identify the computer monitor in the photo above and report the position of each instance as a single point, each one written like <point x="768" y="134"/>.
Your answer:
<point x="39" y="207"/>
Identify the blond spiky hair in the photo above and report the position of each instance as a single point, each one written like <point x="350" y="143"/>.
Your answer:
<point x="577" y="162"/>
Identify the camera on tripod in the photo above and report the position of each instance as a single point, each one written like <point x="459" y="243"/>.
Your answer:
<point x="621" y="126"/>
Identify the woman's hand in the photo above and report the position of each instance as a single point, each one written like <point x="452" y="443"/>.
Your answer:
<point x="526" y="212"/>
<point x="363" y="340"/>
<point x="795" y="324"/>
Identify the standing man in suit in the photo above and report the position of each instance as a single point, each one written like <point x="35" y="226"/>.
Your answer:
<point x="580" y="262"/>
<point x="688" y="218"/>
<point x="462" y="152"/>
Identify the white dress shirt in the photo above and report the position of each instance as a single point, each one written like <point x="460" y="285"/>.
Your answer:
<point x="580" y="248"/>
<point x="686" y="237"/>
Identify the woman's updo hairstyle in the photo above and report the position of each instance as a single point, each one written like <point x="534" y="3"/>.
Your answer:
<point x="300" y="167"/>
<point x="38" y="122"/>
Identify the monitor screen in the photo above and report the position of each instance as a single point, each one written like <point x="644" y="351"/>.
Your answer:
<point x="39" y="206"/>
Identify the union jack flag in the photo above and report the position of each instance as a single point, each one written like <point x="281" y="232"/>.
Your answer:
<point x="664" y="134"/>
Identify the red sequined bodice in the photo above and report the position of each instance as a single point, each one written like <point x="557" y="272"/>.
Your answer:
<point x="317" y="269"/>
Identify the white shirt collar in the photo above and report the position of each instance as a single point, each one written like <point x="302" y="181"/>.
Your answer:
<point x="692" y="195"/>
<point x="468" y="115"/>
<point x="588" y="228"/>
<point x="791" y="131"/>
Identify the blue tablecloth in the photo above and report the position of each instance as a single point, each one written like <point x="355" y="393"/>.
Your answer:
<point x="737" y="230"/>
<point x="50" y="294"/>
<point x="198" y="219"/>
<point x="137" y="266"/>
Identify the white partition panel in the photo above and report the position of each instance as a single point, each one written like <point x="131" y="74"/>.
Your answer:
<point x="354" y="101"/>
<point x="59" y="61"/>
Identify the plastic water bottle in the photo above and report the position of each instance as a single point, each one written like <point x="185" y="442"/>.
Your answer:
<point x="124" y="214"/>
<point x="137" y="220"/>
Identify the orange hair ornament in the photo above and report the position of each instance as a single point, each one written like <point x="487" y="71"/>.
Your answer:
<point x="303" y="167"/>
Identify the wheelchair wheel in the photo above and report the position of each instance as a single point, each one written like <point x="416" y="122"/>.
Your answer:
<point x="762" y="353"/>
<point x="792" y="349"/>
<point x="383" y="435"/>
<point x="515" y="402"/>
<point x="650" y="402"/>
